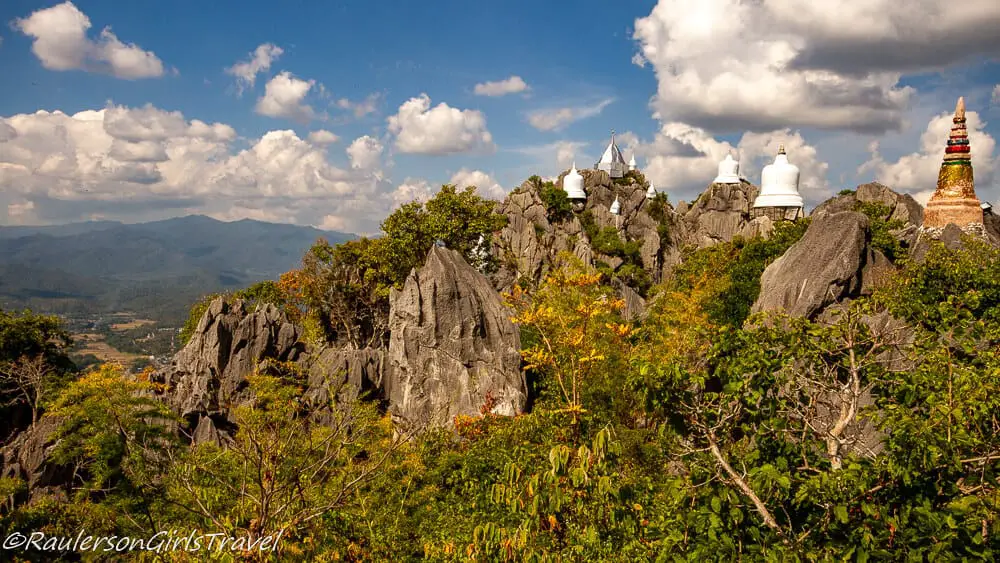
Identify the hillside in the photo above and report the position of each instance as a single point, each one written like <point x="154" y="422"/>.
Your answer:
<point x="155" y="268"/>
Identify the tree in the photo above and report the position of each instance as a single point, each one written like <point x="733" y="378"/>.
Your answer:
<point x="286" y="472"/>
<point x="29" y="342"/>
<point x="346" y="288"/>
<point x="32" y="378"/>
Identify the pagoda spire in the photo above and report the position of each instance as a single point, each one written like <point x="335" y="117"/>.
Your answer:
<point x="954" y="200"/>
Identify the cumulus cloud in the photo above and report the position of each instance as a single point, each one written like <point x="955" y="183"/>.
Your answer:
<point x="142" y="163"/>
<point x="555" y="157"/>
<point x="730" y="65"/>
<point x="684" y="159"/>
<point x="365" y="153"/>
<point x="412" y="189"/>
<point x="284" y="96"/>
<point x="421" y="129"/>
<point x="557" y="118"/>
<point x="260" y="61"/>
<point x="511" y="85"/>
<point x="363" y="107"/>
<point x="917" y="172"/>
<point x="322" y="137"/>
<point x="485" y="185"/>
<point x="60" y="42"/>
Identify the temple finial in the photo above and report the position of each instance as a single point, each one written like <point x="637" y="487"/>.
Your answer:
<point x="960" y="108"/>
<point x="781" y="148"/>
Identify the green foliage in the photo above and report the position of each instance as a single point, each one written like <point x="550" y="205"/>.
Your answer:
<point x="557" y="204"/>
<point x="880" y="225"/>
<point x="740" y="263"/>
<point x="347" y="287"/>
<point x="111" y="431"/>
<point x="24" y="337"/>
<point x="847" y="191"/>
<point x="607" y="241"/>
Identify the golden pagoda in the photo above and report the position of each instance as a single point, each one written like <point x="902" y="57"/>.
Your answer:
<point x="955" y="199"/>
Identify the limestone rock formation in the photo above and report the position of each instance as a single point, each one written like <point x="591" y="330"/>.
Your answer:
<point x="453" y="348"/>
<point x="830" y="263"/>
<point x="344" y="372"/>
<point x="208" y="376"/>
<point x="720" y="213"/>
<point x="901" y="206"/>
<point x="28" y="457"/>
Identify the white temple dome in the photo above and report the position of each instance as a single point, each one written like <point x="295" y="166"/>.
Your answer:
<point x="573" y="184"/>
<point x="779" y="184"/>
<point x="616" y="207"/>
<point x="631" y="162"/>
<point x="729" y="171"/>
<point x="612" y="160"/>
<point x="651" y="192"/>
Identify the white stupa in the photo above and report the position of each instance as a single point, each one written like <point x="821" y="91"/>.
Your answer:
<point x="631" y="163"/>
<point x="729" y="171"/>
<point x="573" y="184"/>
<point x="616" y="207"/>
<point x="612" y="160"/>
<point x="651" y="192"/>
<point x="779" y="190"/>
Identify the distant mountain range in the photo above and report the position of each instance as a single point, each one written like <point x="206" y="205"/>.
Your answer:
<point x="153" y="269"/>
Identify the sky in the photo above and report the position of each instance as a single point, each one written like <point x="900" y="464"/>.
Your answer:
<point x="334" y="114"/>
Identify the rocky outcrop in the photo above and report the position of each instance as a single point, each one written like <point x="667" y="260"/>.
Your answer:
<point x="453" y="348"/>
<point x="207" y="378"/>
<point x="831" y="262"/>
<point x="345" y="373"/>
<point x="29" y="457"/>
<point x="901" y="206"/>
<point x="720" y="213"/>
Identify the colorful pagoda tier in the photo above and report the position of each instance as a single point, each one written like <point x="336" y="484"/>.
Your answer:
<point x="955" y="199"/>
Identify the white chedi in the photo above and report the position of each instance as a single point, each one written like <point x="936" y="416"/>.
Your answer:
<point x="651" y="192"/>
<point x="631" y="163"/>
<point x="573" y="184"/>
<point x="779" y="184"/>
<point x="729" y="171"/>
<point x="616" y="207"/>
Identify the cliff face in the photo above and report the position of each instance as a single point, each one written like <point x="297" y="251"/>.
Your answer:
<point x="453" y="349"/>
<point x="530" y="244"/>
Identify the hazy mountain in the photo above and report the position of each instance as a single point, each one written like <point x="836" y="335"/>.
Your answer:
<point x="155" y="268"/>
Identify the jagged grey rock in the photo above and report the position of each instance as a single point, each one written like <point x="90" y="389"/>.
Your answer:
<point x="208" y="376"/>
<point x="822" y="268"/>
<point x="337" y="374"/>
<point x="453" y="347"/>
<point x="901" y="206"/>
<point x="29" y="457"/>
<point x="720" y="213"/>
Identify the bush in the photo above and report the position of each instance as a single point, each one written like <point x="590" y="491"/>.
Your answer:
<point x="557" y="204"/>
<point x="880" y="226"/>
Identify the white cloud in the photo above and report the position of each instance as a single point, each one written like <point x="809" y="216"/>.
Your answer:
<point x="555" y="157"/>
<point x="995" y="99"/>
<point x="362" y="108"/>
<point x="145" y="163"/>
<point x="260" y="61"/>
<point x="511" y="85"/>
<point x="284" y="96"/>
<point x="554" y="119"/>
<point x="485" y="185"/>
<point x="917" y="172"/>
<point x="61" y="43"/>
<point x="684" y="159"/>
<point x="729" y="65"/>
<point x="364" y="153"/>
<point x="322" y="137"/>
<point x="412" y="189"/>
<point x="420" y="129"/>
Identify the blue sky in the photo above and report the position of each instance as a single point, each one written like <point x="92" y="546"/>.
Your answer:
<point x="683" y="87"/>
